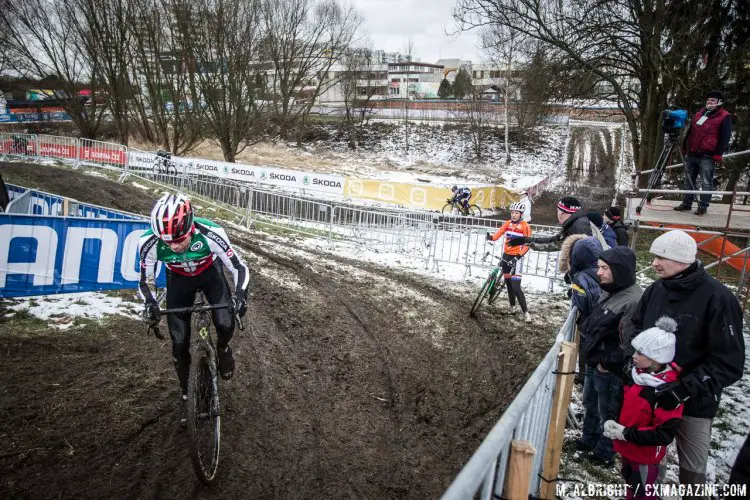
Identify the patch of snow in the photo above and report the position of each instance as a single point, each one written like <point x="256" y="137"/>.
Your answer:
<point x="61" y="309"/>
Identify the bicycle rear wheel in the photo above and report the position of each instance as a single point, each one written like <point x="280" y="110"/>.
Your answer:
<point x="475" y="211"/>
<point x="482" y="294"/>
<point x="203" y="418"/>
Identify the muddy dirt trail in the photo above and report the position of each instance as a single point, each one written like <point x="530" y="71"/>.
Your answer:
<point x="352" y="381"/>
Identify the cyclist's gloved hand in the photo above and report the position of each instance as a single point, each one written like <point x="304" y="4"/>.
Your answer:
<point x="239" y="302"/>
<point x="489" y="236"/>
<point x="152" y="313"/>
<point x="517" y="242"/>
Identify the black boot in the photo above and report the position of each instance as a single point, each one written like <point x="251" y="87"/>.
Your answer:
<point x="683" y="208"/>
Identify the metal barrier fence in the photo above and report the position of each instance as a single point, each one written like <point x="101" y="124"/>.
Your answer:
<point x="433" y="238"/>
<point x="57" y="147"/>
<point x="528" y="418"/>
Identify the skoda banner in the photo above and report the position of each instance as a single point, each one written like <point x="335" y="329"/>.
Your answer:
<point x="43" y="255"/>
<point x="268" y="175"/>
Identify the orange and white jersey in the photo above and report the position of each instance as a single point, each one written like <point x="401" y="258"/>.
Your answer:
<point x="513" y="230"/>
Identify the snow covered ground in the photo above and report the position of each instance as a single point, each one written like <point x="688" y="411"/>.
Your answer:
<point x="438" y="154"/>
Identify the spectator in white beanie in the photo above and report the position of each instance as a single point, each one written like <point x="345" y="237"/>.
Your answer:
<point x="710" y="347"/>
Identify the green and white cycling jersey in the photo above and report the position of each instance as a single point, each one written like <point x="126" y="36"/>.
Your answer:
<point x="209" y="240"/>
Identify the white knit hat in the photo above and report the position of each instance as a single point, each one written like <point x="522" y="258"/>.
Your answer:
<point x="658" y="343"/>
<point x="675" y="245"/>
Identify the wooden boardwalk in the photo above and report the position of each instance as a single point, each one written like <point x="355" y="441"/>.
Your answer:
<point x="661" y="211"/>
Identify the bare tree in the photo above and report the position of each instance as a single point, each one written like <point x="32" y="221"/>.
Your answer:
<point x="161" y="108"/>
<point x="637" y="47"/>
<point x="43" y="37"/>
<point x="302" y="40"/>
<point x="103" y="27"/>
<point x="358" y="85"/>
<point x="409" y="56"/>
<point x="220" y="39"/>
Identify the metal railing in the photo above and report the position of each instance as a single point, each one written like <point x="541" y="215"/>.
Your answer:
<point x="528" y="418"/>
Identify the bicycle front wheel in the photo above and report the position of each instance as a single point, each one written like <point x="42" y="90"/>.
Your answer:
<point x="203" y="418"/>
<point x="475" y="211"/>
<point x="482" y="294"/>
<point x="498" y="287"/>
<point x="447" y="209"/>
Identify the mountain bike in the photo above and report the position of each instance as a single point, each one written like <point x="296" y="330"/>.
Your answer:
<point x="451" y="206"/>
<point x="493" y="285"/>
<point x="203" y="410"/>
<point x="163" y="163"/>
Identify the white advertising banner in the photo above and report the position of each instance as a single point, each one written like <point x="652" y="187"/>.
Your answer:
<point x="268" y="175"/>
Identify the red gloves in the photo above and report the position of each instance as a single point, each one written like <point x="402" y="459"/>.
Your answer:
<point x="717" y="158"/>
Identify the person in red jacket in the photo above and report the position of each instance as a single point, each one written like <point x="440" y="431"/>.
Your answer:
<point x="643" y="430"/>
<point x="704" y="144"/>
<point x="514" y="228"/>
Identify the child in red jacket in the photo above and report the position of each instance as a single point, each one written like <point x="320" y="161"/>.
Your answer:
<point x="644" y="430"/>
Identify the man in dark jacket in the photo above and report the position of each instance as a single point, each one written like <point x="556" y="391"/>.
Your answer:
<point x="600" y="348"/>
<point x="573" y="221"/>
<point x="613" y="217"/>
<point x="704" y="144"/>
<point x="710" y="346"/>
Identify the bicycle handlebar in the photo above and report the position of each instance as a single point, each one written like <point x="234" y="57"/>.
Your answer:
<point x="199" y="307"/>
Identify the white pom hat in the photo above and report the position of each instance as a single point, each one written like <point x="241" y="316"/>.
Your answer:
<point x="658" y="343"/>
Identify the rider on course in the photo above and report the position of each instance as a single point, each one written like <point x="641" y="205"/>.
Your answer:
<point x="189" y="247"/>
<point x="462" y="196"/>
<point x="512" y="261"/>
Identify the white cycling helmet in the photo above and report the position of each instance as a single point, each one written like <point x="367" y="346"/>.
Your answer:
<point x="517" y="207"/>
<point x="172" y="217"/>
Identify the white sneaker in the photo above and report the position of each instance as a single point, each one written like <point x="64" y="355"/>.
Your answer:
<point x="527" y="317"/>
<point x="512" y="309"/>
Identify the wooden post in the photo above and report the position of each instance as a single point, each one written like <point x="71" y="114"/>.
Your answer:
<point x="65" y="207"/>
<point x="566" y="365"/>
<point x="519" y="470"/>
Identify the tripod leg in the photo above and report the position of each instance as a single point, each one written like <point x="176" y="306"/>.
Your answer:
<point x="655" y="178"/>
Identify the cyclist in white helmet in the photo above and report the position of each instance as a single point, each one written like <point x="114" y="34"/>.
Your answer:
<point x="512" y="260"/>
<point x="189" y="247"/>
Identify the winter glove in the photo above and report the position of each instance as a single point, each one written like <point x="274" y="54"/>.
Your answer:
<point x="670" y="395"/>
<point x="613" y="430"/>
<point x="517" y="242"/>
<point x="717" y="159"/>
<point x="239" y="303"/>
<point x="152" y="313"/>
<point x="489" y="236"/>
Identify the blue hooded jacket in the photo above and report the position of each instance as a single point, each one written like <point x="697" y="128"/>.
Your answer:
<point x="578" y="259"/>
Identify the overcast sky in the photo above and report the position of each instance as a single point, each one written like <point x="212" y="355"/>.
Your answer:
<point x="389" y="23"/>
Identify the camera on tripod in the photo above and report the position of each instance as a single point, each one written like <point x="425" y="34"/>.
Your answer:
<point x="672" y="123"/>
<point x="673" y="120"/>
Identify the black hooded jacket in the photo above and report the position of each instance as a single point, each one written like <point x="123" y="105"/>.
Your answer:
<point x="600" y="334"/>
<point x="710" y="346"/>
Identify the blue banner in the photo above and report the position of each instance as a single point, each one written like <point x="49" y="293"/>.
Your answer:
<point x="54" y="116"/>
<point x="44" y="255"/>
<point x="49" y="204"/>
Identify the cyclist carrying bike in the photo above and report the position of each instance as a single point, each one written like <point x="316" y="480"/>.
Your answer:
<point x="189" y="247"/>
<point x="516" y="227"/>
<point x="461" y="195"/>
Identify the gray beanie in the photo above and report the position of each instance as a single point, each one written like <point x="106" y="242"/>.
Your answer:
<point x="675" y="245"/>
<point x="658" y="343"/>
